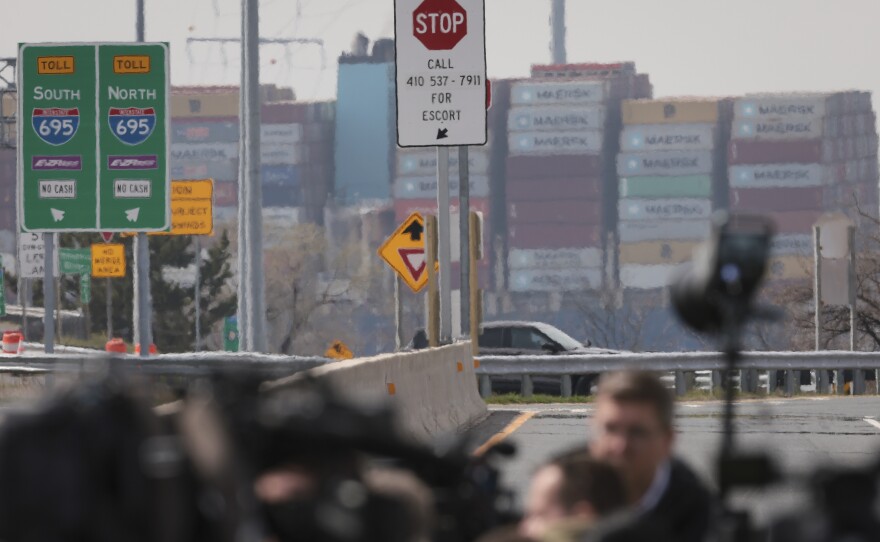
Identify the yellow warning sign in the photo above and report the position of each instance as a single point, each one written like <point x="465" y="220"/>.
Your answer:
<point x="192" y="208"/>
<point x="131" y="64"/>
<point x="404" y="251"/>
<point x="338" y="350"/>
<point x="108" y="261"/>
<point x="54" y="65"/>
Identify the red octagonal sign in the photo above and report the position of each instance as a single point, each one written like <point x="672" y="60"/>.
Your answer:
<point x="440" y="24"/>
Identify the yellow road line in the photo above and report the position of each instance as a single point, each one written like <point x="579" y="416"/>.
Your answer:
<point x="504" y="433"/>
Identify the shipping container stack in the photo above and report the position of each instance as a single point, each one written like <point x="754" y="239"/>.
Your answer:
<point x="561" y="191"/>
<point x="671" y="177"/>
<point x="797" y="156"/>
<point x="415" y="190"/>
<point x="204" y="140"/>
<point x="296" y="141"/>
<point x="296" y="154"/>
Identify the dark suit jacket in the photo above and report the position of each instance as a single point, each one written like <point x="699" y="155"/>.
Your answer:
<point x="682" y="514"/>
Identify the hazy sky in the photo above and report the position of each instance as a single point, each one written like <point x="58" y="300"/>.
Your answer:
<point x="689" y="47"/>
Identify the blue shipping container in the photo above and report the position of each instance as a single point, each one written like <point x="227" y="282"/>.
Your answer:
<point x="283" y="174"/>
<point x="365" y="133"/>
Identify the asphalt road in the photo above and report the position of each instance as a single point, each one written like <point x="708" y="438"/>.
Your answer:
<point x="800" y="434"/>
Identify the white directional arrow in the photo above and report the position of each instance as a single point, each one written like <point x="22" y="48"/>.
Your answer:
<point x="132" y="214"/>
<point x="57" y="215"/>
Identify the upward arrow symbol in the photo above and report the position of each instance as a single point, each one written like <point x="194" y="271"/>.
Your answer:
<point x="57" y="215"/>
<point x="414" y="230"/>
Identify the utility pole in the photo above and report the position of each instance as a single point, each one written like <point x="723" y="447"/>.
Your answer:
<point x="557" y="31"/>
<point x="253" y="334"/>
<point x="142" y="311"/>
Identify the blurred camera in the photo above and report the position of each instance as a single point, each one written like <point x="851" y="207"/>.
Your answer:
<point x="718" y="287"/>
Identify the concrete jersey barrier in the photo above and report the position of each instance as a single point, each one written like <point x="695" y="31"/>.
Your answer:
<point x="433" y="391"/>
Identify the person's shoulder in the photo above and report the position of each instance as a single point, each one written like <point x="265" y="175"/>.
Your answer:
<point x="682" y="475"/>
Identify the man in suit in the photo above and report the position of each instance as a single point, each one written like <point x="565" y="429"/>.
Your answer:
<point x="633" y="430"/>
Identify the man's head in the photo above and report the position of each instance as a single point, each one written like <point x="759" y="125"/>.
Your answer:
<point x="572" y="486"/>
<point x="632" y="426"/>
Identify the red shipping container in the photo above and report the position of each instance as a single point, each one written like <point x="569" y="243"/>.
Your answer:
<point x="775" y="152"/>
<point x="771" y="200"/>
<point x="553" y="189"/>
<point x="795" y="221"/>
<point x="405" y="207"/>
<point x="283" y="113"/>
<point x="550" y="167"/>
<point x="484" y="274"/>
<point x="225" y="193"/>
<point x="554" y="212"/>
<point x="554" y="236"/>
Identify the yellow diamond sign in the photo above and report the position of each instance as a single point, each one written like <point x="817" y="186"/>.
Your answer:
<point x="404" y="251"/>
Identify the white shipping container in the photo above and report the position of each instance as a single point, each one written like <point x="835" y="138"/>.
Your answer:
<point x="552" y="92"/>
<point x="669" y="163"/>
<point x="555" y="280"/>
<point x="777" y="130"/>
<point x="555" y="118"/>
<point x="776" y="175"/>
<point x="420" y="162"/>
<point x="549" y="143"/>
<point x="647" y="277"/>
<point x="203" y="152"/>
<point x="782" y="106"/>
<point x="798" y="244"/>
<point x="564" y="258"/>
<point x="276" y="154"/>
<point x="426" y="187"/>
<point x="667" y="137"/>
<point x="663" y="209"/>
<point x="663" y="230"/>
<point x="281" y="134"/>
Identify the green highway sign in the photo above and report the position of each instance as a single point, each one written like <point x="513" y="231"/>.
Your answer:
<point x="85" y="289"/>
<point x="93" y="138"/>
<point x="75" y="261"/>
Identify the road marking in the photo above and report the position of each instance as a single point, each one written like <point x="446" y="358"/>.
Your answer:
<point x="875" y="423"/>
<point x="504" y="433"/>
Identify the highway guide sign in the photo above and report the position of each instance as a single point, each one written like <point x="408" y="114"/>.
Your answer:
<point x="94" y="144"/>
<point x="440" y="50"/>
<point x="404" y="251"/>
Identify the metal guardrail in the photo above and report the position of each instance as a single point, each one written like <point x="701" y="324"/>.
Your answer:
<point x="680" y="363"/>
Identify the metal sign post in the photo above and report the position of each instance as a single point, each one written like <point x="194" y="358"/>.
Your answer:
<point x="198" y="291"/>
<point x="444" y="246"/>
<point x="49" y="296"/>
<point x="464" y="206"/>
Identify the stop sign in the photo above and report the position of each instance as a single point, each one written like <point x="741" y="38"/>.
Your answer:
<point x="439" y="24"/>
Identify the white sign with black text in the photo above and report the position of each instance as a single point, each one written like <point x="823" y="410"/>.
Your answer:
<point x="441" y="72"/>
<point x="32" y="256"/>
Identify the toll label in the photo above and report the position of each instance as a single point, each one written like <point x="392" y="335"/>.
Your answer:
<point x="55" y="65"/>
<point x="131" y="64"/>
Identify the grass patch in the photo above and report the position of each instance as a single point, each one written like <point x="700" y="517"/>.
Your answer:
<point x="538" y="398"/>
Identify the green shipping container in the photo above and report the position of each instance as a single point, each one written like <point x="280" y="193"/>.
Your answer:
<point x="692" y="186"/>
